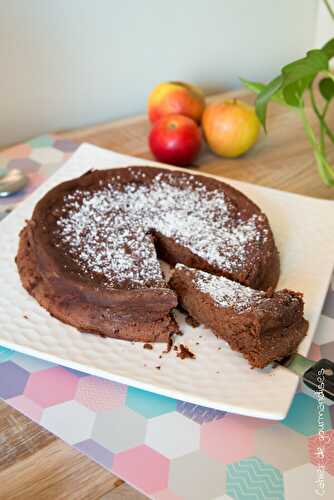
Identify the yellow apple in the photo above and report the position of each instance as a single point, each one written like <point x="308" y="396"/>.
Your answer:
<point x="230" y="127"/>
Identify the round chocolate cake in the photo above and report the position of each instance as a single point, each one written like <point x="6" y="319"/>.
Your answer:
<point x="90" y="252"/>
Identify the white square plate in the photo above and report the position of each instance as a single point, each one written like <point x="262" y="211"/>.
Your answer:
<point x="218" y="378"/>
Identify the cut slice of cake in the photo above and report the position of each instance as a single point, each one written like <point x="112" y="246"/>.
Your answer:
<point x="262" y="326"/>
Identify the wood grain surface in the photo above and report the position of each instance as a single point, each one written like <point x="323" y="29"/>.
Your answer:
<point x="36" y="465"/>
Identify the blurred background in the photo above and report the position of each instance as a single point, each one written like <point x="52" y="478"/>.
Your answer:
<point x="70" y="63"/>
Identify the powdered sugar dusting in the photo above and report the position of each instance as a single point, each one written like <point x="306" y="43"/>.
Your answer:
<point x="108" y="231"/>
<point x="224" y="292"/>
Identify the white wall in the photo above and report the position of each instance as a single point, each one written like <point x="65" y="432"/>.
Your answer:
<point x="325" y="25"/>
<point x="66" y="63"/>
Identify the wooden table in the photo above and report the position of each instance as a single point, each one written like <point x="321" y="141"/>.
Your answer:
<point x="33" y="463"/>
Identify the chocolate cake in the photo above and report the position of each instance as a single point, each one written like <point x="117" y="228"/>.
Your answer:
<point x="262" y="326"/>
<point x="89" y="254"/>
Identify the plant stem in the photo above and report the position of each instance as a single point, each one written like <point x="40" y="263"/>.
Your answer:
<point x="308" y="129"/>
<point x="324" y="111"/>
<point x="322" y="139"/>
<point x="329" y="8"/>
<point x="321" y="117"/>
<point x="325" y="170"/>
<point x="322" y="130"/>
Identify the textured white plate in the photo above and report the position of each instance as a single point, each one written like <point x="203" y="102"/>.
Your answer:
<point x="218" y="377"/>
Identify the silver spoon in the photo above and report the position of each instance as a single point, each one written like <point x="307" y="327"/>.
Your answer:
<point x="11" y="181"/>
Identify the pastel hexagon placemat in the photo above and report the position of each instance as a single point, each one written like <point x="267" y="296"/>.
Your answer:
<point x="165" y="448"/>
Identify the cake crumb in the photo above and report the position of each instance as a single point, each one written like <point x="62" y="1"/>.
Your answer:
<point x="147" y="345"/>
<point x="185" y="353"/>
<point x="169" y="344"/>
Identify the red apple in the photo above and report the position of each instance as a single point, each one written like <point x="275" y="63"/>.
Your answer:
<point x="175" y="139"/>
<point x="179" y="98"/>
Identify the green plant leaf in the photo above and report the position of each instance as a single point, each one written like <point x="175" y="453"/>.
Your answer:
<point x="293" y="93"/>
<point x="328" y="48"/>
<point x="265" y="96"/>
<point x="308" y="67"/>
<point x="257" y="87"/>
<point x="326" y="87"/>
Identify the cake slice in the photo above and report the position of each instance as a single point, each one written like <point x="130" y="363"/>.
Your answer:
<point x="262" y="326"/>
